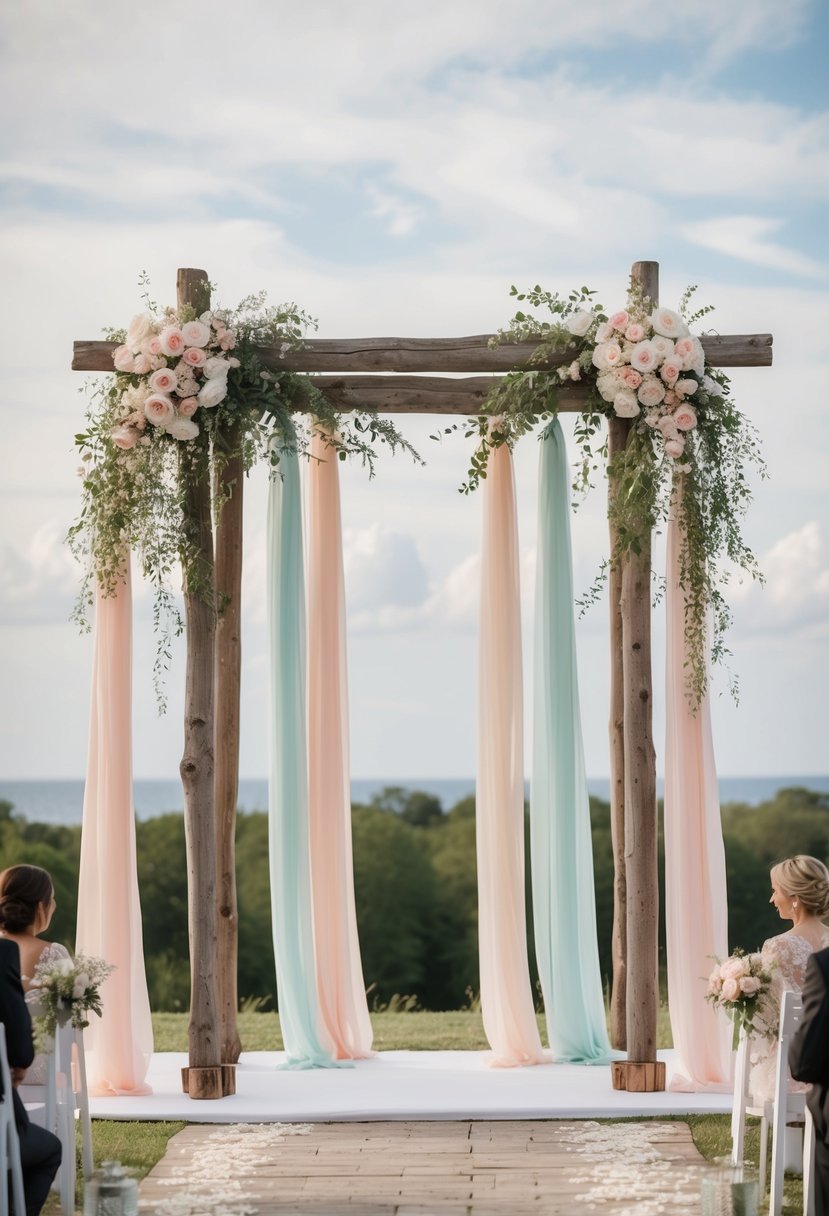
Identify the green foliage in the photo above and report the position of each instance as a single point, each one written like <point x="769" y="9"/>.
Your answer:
<point x="416" y="892"/>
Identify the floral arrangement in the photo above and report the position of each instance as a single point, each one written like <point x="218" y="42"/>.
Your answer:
<point x="642" y="364"/>
<point x="176" y="368"/>
<point x="66" y="990"/>
<point x="193" y="389"/>
<point x="740" y="986"/>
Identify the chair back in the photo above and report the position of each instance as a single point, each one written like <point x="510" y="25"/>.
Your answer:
<point x="9" y="1143"/>
<point x="788" y="1108"/>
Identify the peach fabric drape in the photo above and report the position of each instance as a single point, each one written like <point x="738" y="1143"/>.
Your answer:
<point x="696" y="910"/>
<point x="506" y="994"/>
<point x="120" y="1044"/>
<point x="340" y="985"/>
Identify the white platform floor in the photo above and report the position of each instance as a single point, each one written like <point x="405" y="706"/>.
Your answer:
<point x="431" y="1085"/>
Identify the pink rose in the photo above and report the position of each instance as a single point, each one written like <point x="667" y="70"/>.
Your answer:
<point x="631" y="377"/>
<point x="692" y="353"/>
<point x="124" y="437"/>
<point x="172" y="340"/>
<point x="675" y="448"/>
<point x="159" y="409"/>
<point x="643" y="357"/>
<point x="194" y="356"/>
<point x="188" y="407"/>
<point x="195" y="333"/>
<point x="669" y="430"/>
<point x="163" y="381"/>
<point x="733" y="968"/>
<point x="635" y="332"/>
<point x="651" y="392"/>
<point x="606" y="355"/>
<point x="670" y="369"/>
<point x="685" y="417"/>
<point x="227" y="340"/>
<point x="686" y="387"/>
<point x="620" y="320"/>
<point x="123" y="359"/>
<point x="749" y="984"/>
<point x="153" y="347"/>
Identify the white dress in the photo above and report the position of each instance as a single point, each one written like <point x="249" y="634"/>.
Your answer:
<point x="787" y="956"/>
<point x="36" y="1072"/>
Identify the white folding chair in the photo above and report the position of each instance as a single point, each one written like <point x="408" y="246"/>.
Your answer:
<point x="65" y="1098"/>
<point x="784" y="1109"/>
<point x="9" y="1144"/>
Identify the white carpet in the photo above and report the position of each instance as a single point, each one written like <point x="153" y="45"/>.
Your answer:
<point x="401" y="1085"/>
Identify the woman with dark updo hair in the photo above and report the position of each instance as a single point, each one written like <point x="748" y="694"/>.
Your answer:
<point x="27" y="905"/>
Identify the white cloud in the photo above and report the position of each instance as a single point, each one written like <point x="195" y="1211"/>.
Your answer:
<point x="746" y="237"/>
<point x="794" y="603"/>
<point x="38" y="580"/>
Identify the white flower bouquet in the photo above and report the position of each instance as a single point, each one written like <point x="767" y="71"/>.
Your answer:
<point x="739" y="985"/>
<point x="67" y="990"/>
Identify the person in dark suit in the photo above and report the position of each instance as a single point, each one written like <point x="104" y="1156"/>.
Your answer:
<point x="809" y="1061"/>
<point x="39" y="1149"/>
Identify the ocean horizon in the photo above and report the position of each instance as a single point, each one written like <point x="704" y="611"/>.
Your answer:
<point x="61" y="801"/>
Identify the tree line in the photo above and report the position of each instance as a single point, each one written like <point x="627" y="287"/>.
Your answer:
<point x="416" y="890"/>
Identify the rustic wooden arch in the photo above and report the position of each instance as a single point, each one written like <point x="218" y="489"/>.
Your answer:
<point x="210" y="763"/>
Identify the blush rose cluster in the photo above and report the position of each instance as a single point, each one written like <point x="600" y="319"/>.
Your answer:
<point x="647" y="366"/>
<point x="740" y="986"/>
<point x="173" y="369"/>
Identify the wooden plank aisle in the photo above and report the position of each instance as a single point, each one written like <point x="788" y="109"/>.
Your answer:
<point x="486" y="1168"/>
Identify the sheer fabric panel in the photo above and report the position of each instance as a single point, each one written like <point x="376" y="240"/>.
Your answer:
<point x="340" y="983"/>
<point x="564" y="899"/>
<point x="119" y="1044"/>
<point x="506" y="994"/>
<point x="696" y="909"/>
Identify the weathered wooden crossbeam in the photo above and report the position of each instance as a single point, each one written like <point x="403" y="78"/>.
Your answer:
<point x="471" y="354"/>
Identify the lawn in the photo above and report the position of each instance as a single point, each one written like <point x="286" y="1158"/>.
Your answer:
<point x="140" y="1145"/>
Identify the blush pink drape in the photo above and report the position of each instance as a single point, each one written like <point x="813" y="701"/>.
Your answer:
<point x="506" y="994"/>
<point x="118" y="1046"/>
<point x="696" y="910"/>
<point x="340" y="985"/>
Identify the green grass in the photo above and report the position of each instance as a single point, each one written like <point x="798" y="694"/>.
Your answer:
<point x="140" y="1145"/>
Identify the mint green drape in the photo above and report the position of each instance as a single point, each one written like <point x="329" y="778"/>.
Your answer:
<point x="293" y="939"/>
<point x="564" y="908"/>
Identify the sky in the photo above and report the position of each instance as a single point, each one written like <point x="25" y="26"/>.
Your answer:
<point x="393" y="170"/>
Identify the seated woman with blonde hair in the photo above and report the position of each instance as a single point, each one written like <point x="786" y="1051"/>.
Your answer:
<point x="800" y="892"/>
<point x="27" y="905"/>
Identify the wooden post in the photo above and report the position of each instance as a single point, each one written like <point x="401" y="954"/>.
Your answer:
<point x="203" y="1077"/>
<point x="228" y="674"/>
<point x="618" y="430"/>
<point x="642" y="892"/>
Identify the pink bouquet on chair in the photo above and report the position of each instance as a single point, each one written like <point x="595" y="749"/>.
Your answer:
<point x="739" y="986"/>
<point x="68" y="989"/>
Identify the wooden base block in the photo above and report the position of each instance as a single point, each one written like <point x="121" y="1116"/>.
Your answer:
<point x="216" y="1081"/>
<point x="644" y="1078"/>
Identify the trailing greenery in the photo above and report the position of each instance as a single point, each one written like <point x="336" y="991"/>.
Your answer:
<point x="689" y="448"/>
<point x="143" y="450"/>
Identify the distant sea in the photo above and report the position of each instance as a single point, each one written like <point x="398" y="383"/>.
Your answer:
<point x="62" y="801"/>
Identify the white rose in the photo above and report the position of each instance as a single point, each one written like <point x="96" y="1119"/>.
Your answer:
<point x="124" y="437"/>
<point x="685" y="417"/>
<point x="662" y="346"/>
<point x="212" y="392"/>
<point x="195" y="333"/>
<point x="643" y="357"/>
<point x="608" y="385"/>
<point x="159" y="409"/>
<point x="604" y="332"/>
<point x="140" y="331"/>
<point x="686" y="387"/>
<point x="668" y="427"/>
<point x="579" y="323"/>
<point x="606" y="355"/>
<point x="711" y="386"/>
<point x="182" y="428"/>
<point x="625" y="404"/>
<point x="123" y="359"/>
<point x="651" y="392"/>
<point x="669" y="324"/>
<point x="217" y="366"/>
